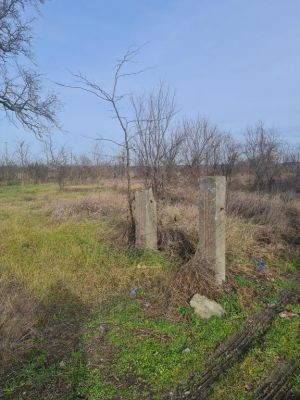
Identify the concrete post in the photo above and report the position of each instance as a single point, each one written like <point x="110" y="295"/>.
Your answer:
<point x="212" y="224"/>
<point x="145" y="220"/>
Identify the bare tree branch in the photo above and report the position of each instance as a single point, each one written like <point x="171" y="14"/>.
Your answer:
<point x="20" y="88"/>
<point x="113" y="98"/>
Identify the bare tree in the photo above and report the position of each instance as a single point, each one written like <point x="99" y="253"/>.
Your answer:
<point x="113" y="97"/>
<point x="23" y="157"/>
<point x="22" y="153"/>
<point x="263" y="152"/>
<point x="291" y="168"/>
<point x="38" y="171"/>
<point x="57" y="159"/>
<point x="8" y="167"/>
<point x="173" y="150"/>
<point x="200" y="149"/>
<point x="97" y="154"/>
<point x="230" y="151"/>
<point x="156" y="145"/>
<point x="20" y="88"/>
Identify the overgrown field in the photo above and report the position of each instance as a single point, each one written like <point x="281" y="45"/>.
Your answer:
<point x="82" y="316"/>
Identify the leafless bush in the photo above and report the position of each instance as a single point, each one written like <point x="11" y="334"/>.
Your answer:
<point x="264" y="153"/>
<point x="201" y="138"/>
<point x="57" y="159"/>
<point x="206" y="150"/>
<point x="229" y="155"/>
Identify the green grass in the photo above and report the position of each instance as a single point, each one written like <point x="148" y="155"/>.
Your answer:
<point x="152" y="350"/>
<point x="82" y="281"/>
<point x="73" y="378"/>
<point x="37" y="253"/>
<point x="281" y="342"/>
<point x="244" y="281"/>
<point x="148" y="350"/>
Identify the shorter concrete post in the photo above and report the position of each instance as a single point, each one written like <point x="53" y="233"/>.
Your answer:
<point x="212" y="223"/>
<point x="145" y="220"/>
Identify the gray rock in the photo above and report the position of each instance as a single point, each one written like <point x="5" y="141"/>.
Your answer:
<point x="287" y="314"/>
<point x="103" y="329"/>
<point x="187" y="350"/>
<point x="133" y="292"/>
<point x="206" y="308"/>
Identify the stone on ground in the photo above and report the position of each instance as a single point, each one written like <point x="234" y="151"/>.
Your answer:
<point x="205" y="307"/>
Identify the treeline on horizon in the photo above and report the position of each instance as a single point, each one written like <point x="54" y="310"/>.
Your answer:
<point x="159" y="154"/>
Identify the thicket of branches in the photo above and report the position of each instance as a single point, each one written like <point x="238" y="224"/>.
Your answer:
<point x="162" y="152"/>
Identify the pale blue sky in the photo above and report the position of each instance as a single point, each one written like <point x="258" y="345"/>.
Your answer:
<point x="234" y="61"/>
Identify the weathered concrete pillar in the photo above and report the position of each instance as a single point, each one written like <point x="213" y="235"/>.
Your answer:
<point x="212" y="223"/>
<point x="145" y="220"/>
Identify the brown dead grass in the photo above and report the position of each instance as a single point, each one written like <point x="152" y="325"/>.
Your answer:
<point x="257" y="226"/>
<point x="193" y="277"/>
<point x="176" y="243"/>
<point x="182" y="192"/>
<point x="94" y="206"/>
<point x="280" y="214"/>
<point x="120" y="185"/>
<point x="18" y="322"/>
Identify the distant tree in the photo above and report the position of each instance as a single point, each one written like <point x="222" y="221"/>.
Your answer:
<point x="291" y="167"/>
<point x="230" y="152"/>
<point x="22" y="153"/>
<point x="156" y="144"/>
<point x="21" y="96"/>
<point x="263" y="152"/>
<point x="22" y="157"/>
<point x="97" y="154"/>
<point x="38" y="171"/>
<point x="57" y="159"/>
<point x="200" y="148"/>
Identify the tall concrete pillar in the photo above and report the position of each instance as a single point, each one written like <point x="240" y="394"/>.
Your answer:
<point x="212" y="224"/>
<point x="145" y="220"/>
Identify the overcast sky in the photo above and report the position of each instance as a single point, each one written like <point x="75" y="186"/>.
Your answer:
<point x="234" y="61"/>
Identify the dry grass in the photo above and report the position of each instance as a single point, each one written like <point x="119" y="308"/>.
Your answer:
<point x="193" y="277"/>
<point x="176" y="243"/>
<point x="94" y="206"/>
<point x="182" y="192"/>
<point x="18" y="321"/>
<point x="278" y="217"/>
<point x="120" y="185"/>
<point x="180" y="215"/>
<point x="262" y="208"/>
<point x="257" y="227"/>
